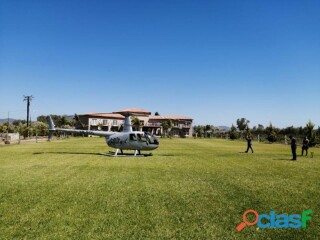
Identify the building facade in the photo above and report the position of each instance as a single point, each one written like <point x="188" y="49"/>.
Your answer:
<point x="178" y="126"/>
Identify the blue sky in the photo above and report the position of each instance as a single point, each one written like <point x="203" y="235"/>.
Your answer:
<point x="215" y="61"/>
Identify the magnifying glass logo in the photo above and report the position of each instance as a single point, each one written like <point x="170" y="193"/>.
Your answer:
<point x="245" y="222"/>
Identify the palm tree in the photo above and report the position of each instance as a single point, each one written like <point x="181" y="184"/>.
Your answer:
<point x="166" y="126"/>
<point x="170" y="126"/>
<point x="309" y="127"/>
<point x="136" y="124"/>
<point x="311" y="135"/>
<point x="242" y="124"/>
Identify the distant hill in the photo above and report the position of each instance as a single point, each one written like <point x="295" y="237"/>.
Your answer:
<point x="224" y="128"/>
<point x="3" y="120"/>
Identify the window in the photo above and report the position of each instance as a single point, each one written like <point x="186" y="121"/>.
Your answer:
<point x="115" y="122"/>
<point x="93" y="121"/>
<point x="105" y="122"/>
<point x="141" y="137"/>
<point x="133" y="137"/>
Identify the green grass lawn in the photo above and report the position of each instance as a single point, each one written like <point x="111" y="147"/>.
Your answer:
<point x="188" y="189"/>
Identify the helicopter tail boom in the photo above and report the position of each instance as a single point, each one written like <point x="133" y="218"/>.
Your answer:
<point x="86" y="132"/>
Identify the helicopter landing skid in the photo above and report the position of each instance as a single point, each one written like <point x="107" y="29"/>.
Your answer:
<point x="116" y="154"/>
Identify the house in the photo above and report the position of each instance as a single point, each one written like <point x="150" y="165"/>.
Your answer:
<point x="182" y="126"/>
<point x="110" y="122"/>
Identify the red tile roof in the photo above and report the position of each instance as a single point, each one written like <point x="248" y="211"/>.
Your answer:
<point x="104" y="115"/>
<point x="134" y="111"/>
<point x="169" y="118"/>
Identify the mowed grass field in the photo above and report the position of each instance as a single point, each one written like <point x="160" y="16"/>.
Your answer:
<point x="188" y="189"/>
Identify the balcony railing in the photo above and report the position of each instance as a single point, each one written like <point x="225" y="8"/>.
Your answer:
<point x="182" y="126"/>
<point x="175" y="126"/>
<point x="152" y="124"/>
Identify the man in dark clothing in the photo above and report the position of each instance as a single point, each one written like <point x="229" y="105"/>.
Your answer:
<point x="293" y="148"/>
<point x="305" y="146"/>
<point x="249" y="140"/>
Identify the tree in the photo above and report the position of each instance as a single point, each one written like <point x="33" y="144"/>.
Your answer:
<point x="311" y="135"/>
<point x="170" y="125"/>
<point x="164" y="126"/>
<point x="136" y="124"/>
<point x="208" y="129"/>
<point x="17" y="122"/>
<point x="199" y="131"/>
<point x="24" y="130"/>
<point x="247" y="131"/>
<point x="42" y="118"/>
<point x="260" y="129"/>
<point x="290" y="131"/>
<point x="309" y="127"/>
<point x="157" y="114"/>
<point x="167" y="125"/>
<point x="242" y="123"/>
<point x="40" y="128"/>
<point x="233" y="134"/>
<point x="100" y="126"/>
<point x="63" y="121"/>
<point x="3" y="128"/>
<point x="271" y="132"/>
<point x="77" y="122"/>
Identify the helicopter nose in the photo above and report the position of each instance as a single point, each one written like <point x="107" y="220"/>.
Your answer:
<point x="154" y="145"/>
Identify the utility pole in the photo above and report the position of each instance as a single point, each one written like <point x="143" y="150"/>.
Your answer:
<point x="8" y="123"/>
<point x="8" y="127"/>
<point x="28" y="99"/>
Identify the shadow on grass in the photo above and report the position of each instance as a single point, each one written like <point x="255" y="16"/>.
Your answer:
<point x="283" y="159"/>
<point x="110" y="154"/>
<point x="71" y="153"/>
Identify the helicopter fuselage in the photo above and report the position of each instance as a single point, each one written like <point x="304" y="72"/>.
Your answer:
<point x="134" y="140"/>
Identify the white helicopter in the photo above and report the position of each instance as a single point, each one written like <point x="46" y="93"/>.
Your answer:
<point x="125" y="140"/>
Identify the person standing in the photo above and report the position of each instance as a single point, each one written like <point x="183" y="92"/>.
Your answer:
<point x="305" y="146"/>
<point x="293" y="148"/>
<point x="249" y="143"/>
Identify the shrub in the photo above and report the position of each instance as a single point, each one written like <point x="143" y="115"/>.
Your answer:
<point x="272" y="137"/>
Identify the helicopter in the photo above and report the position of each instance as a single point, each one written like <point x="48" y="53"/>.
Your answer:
<point x="124" y="140"/>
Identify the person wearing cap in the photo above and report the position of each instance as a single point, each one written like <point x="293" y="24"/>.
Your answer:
<point x="293" y="148"/>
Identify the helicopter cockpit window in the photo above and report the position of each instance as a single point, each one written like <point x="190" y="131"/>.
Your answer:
<point x="141" y="137"/>
<point x="151" y="139"/>
<point x="133" y="137"/>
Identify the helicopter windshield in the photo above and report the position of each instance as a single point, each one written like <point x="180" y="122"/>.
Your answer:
<point x="151" y="139"/>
